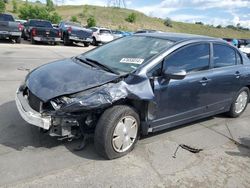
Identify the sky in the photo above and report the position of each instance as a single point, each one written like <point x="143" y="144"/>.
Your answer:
<point x="215" y="12"/>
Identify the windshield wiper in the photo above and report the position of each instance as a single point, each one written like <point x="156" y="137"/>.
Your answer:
<point x="105" y="67"/>
<point x="83" y="61"/>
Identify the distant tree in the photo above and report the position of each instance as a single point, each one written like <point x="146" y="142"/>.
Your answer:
<point x="73" y="19"/>
<point x="168" y="22"/>
<point x="35" y="12"/>
<point x="218" y="26"/>
<point x="14" y="6"/>
<point x="50" y="5"/>
<point x="2" y="6"/>
<point x="91" y="21"/>
<point x="131" y="18"/>
<point x="199" y="23"/>
<point x="5" y="1"/>
<point x="231" y="27"/>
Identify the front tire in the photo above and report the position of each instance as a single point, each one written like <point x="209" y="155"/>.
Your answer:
<point x="95" y="43"/>
<point x="240" y="103"/>
<point x="117" y="132"/>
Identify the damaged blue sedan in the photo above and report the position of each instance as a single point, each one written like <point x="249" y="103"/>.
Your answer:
<point x="134" y="86"/>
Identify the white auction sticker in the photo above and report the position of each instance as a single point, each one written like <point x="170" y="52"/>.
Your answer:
<point x="132" y="60"/>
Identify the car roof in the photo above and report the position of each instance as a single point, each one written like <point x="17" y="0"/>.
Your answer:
<point x="177" y="37"/>
<point x="39" y="20"/>
<point x="101" y="28"/>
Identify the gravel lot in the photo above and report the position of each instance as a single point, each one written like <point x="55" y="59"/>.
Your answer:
<point x="30" y="159"/>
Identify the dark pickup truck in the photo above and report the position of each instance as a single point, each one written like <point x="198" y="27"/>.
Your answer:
<point x="41" y="31"/>
<point x="9" y="28"/>
<point x="74" y="32"/>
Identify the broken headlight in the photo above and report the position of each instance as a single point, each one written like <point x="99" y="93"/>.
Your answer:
<point x="59" y="102"/>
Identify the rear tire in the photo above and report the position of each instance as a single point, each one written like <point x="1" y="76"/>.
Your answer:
<point x="32" y="40"/>
<point x="66" y="41"/>
<point x="239" y="103"/>
<point x="86" y="44"/>
<point x="18" y="40"/>
<point x="116" y="132"/>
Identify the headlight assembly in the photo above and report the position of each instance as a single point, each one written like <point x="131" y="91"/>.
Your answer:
<point x="59" y="102"/>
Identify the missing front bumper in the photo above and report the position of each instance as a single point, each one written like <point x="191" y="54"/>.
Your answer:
<point x="30" y="115"/>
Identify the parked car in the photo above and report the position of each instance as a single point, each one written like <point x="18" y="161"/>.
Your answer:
<point x="139" y="84"/>
<point x="119" y="34"/>
<point x="41" y="31"/>
<point x="74" y="32"/>
<point x="147" y="31"/>
<point x="101" y="35"/>
<point x="246" y="50"/>
<point x="9" y="29"/>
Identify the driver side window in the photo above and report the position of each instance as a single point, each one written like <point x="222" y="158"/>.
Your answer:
<point x="190" y="58"/>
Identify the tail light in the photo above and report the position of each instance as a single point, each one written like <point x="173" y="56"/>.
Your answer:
<point x="33" y="32"/>
<point x="69" y="29"/>
<point x="59" y="34"/>
<point x="20" y="27"/>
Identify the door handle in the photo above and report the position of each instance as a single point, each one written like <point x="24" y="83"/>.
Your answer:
<point x="237" y="74"/>
<point x="204" y="81"/>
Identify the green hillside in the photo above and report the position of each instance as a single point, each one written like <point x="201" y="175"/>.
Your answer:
<point x="115" y="18"/>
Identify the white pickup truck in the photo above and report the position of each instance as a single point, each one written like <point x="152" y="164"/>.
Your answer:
<point x="9" y="29"/>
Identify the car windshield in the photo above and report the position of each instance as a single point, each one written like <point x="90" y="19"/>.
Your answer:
<point x="6" y="17"/>
<point x="127" y="54"/>
<point x="38" y="23"/>
<point x="104" y="31"/>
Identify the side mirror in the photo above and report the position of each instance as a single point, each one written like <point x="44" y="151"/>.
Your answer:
<point x="175" y="73"/>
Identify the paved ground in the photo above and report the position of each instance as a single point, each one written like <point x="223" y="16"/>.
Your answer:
<point x="31" y="159"/>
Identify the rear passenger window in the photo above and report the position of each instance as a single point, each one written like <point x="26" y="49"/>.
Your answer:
<point x="224" y="56"/>
<point x="191" y="58"/>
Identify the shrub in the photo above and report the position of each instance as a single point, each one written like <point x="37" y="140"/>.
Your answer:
<point x="91" y="21"/>
<point x="34" y="12"/>
<point x="55" y="18"/>
<point x="73" y="19"/>
<point x="199" y="23"/>
<point x="2" y="6"/>
<point x="131" y="18"/>
<point x="168" y="22"/>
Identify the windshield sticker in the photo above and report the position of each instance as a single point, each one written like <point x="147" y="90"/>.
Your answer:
<point x="132" y="60"/>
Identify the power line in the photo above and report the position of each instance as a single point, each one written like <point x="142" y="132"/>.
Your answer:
<point x="117" y="3"/>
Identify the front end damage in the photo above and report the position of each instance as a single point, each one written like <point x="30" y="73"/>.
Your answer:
<point x="73" y="115"/>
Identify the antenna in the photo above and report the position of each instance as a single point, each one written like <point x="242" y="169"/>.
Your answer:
<point x="117" y="3"/>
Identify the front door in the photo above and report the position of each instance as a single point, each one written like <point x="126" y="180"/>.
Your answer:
<point x="179" y="100"/>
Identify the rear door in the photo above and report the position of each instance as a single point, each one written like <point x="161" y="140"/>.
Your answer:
<point x="227" y="76"/>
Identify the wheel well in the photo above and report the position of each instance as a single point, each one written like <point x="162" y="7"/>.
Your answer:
<point x="248" y="87"/>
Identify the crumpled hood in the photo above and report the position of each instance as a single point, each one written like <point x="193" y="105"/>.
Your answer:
<point x="65" y="77"/>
